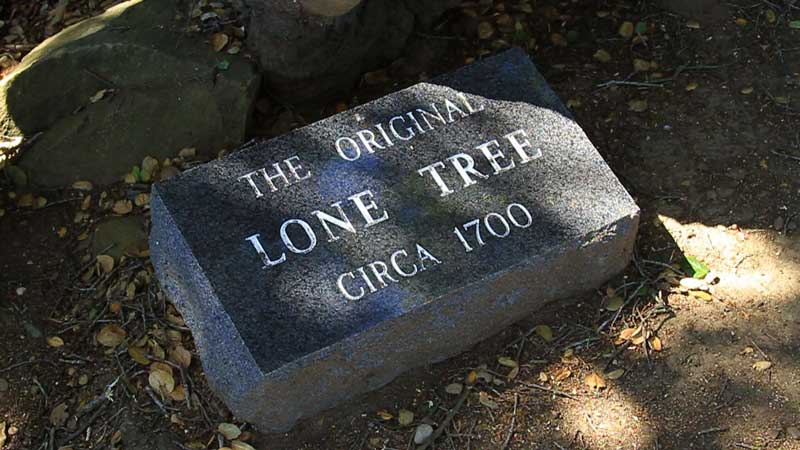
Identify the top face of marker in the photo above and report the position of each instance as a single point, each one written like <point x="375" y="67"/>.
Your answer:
<point x="360" y="218"/>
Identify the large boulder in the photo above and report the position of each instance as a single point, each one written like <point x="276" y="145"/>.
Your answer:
<point x="112" y="89"/>
<point x="317" y="49"/>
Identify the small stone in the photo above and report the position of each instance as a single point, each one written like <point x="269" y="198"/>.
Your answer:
<point x="422" y="433"/>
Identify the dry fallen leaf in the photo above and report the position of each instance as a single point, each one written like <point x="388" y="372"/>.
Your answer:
<point x="637" y="105"/>
<point x="59" y="415"/>
<point x="655" y="343"/>
<point x="111" y="335"/>
<point x="385" y="415"/>
<point x="615" y="374"/>
<point x="239" y="445"/>
<point x="139" y="355"/>
<point x="595" y="381"/>
<point x="180" y="356"/>
<point x="2" y="434"/>
<point x="55" y="341"/>
<point x="229" y="430"/>
<point x="122" y="207"/>
<point x="82" y="185"/>
<point x="219" y="41"/>
<point x="405" y="417"/>
<point x="99" y="95"/>
<point x="485" y="30"/>
<point x="693" y="24"/>
<point x="472" y="377"/>
<point x="162" y="382"/>
<point x="626" y="334"/>
<point x="454" y="388"/>
<point x="562" y="374"/>
<point x="486" y="401"/>
<point x="178" y="394"/>
<point x="626" y="30"/>
<point x="614" y="303"/>
<point x="602" y="56"/>
<point x="106" y="263"/>
<point x="705" y="296"/>
<point x="691" y="86"/>
<point x="762" y="365"/>
<point x="545" y="332"/>
<point x="512" y="374"/>
<point x="507" y="362"/>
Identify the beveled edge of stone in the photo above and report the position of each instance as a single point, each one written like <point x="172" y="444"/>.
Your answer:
<point x="274" y="406"/>
<point x="230" y="367"/>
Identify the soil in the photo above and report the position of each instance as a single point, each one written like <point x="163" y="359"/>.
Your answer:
<point x="713" y="162"/>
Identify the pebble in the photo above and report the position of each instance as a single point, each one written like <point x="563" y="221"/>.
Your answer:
<point x="423" y="432"/>
<point x="21" y="291"/>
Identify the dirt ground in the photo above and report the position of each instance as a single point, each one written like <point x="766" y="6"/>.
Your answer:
<point x="706" y="137"/>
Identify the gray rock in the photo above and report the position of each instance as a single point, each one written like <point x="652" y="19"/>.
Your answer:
<point x="281" y="341"/>
<point x="163" y="93"/>
<point x="307" y="56"/>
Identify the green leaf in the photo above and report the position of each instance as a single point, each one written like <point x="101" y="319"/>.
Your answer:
<point x="137" y="173"/>
<point x="697" y="268"/>
<point x="795" y="24"/>
<point x="223" y="65"/>
<point x="641" y="28"/>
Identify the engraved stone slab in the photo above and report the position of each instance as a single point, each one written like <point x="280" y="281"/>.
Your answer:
<point x="325" y="262"/>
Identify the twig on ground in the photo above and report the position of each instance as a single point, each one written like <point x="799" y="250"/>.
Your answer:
<point x="547" y="389"/>
<point x="513" y="423"/>
<point x="713" y="430"/>
<point x="446" y="422"/>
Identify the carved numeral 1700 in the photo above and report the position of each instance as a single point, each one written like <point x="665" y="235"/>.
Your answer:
<point x="496" y="224"/>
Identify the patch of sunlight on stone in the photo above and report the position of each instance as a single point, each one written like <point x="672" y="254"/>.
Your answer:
<point x="751" y="263"/>
<point x="615" y="420"/>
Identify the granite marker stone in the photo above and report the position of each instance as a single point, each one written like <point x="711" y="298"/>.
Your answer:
<point x="323" y="263"/>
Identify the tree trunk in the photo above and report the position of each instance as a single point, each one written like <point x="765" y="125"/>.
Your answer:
<point x="317" y="49"/>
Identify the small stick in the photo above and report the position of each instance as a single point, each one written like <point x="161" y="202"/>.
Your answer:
<point x="513" y="423"/>
<point x="446" y="420"/>
<point x="547" y="389"/>
<point x="743" y="445"/>
<point x="713" y="430"/>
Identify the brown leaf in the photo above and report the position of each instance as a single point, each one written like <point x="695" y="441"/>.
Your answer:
<point x="180" y="356"/>
<point x="385" y="415"/>
<point x="486" y="401"/>
<point x="162" y="382"/>
<point x="106" y="263"/>
<point x="562" y="374"/>
<point x="615" y="374"/>
<point x="55" y="341"/>
<point x="139" y="355"/>
<point x="239" y="445"/>
<point x="762" y="365"/>
<point x="111" y="335"/>
<point x="178" y="394"/>
<point x="59" y="415"/>
<point x="655" y="343"/>
<point x="122" y="207"/>
<point x="219" y="41"/>
<point x="595" y="381"/>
